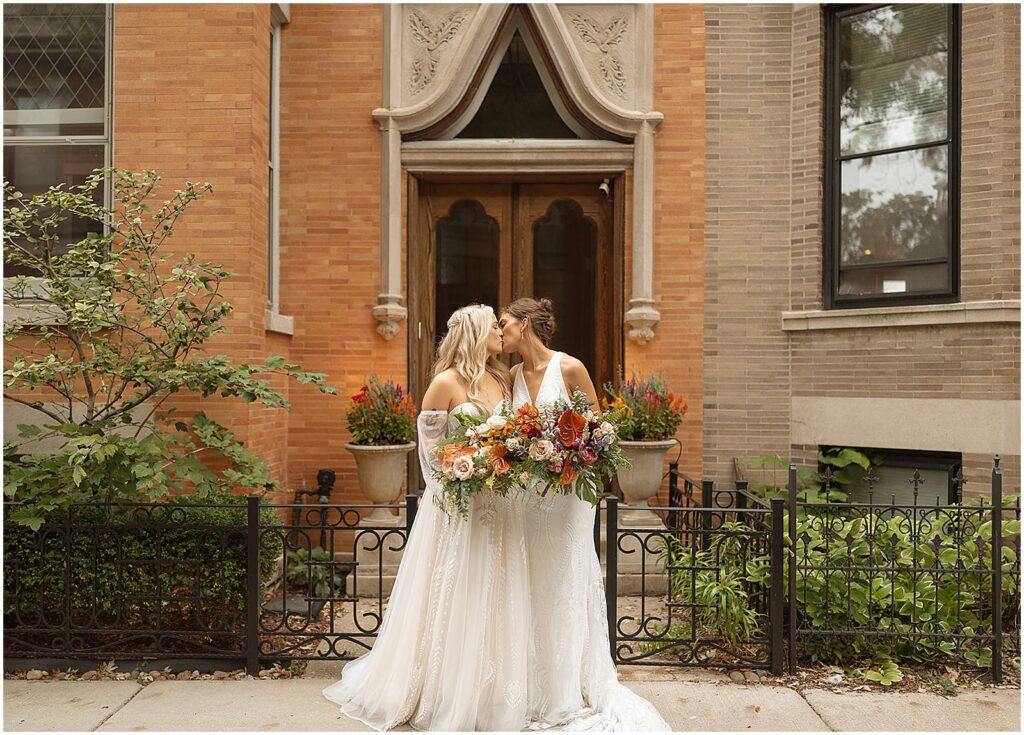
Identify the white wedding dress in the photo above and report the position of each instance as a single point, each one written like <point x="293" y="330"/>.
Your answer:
<point x="495" y="623"/>
<point x="450" y="653"/>
<point x="573" y="684"/>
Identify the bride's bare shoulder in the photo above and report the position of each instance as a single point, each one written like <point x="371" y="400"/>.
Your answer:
<point x="442" y="389"/>
<point x="572" y="367"/>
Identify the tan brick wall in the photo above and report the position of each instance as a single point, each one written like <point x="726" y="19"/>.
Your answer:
<point x="990" y="157"/>
<point x="753" y="183"/>
<point x="738" y="164"/>
<point x="807" y="148"/>
<point x="746" y="259"/>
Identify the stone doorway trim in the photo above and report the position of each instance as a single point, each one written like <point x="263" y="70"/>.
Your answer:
<point x="602" y="56"/>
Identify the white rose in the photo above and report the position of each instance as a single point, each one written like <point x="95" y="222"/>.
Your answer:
<point x="606" y="428"/>
<point x="514" y="444"/>
<point x="496" y="422"/>
<point x="463" y="468"/>
<point x="541" y="450"/>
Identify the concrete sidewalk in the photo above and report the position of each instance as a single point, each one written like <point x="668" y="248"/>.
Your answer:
<point x="700" y="702"/>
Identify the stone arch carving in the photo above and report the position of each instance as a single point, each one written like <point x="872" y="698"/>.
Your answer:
<point x="436" y="59"/>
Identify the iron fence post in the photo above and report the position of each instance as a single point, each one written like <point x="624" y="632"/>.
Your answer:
<point x="597" y="529"/>
<point x="997" y="572"/>
<point x="792" y="568"/>
<point x="68" y="592"/>
<point x="775" y="609"/>
<point x="252" y="601"/>
<point x="611" y="555"/>
<point x="740" y="500"/>
<point x="707" y="499"/>
<point x="672" y="519"/>
<point x="411" y="506"/>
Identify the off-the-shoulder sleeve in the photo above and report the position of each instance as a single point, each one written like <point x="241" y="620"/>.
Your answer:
<point x="431" y="427"/>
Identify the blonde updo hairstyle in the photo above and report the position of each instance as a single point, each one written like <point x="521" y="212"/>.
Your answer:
<point x="539" y="312"/>
<point x="464" y="349"/>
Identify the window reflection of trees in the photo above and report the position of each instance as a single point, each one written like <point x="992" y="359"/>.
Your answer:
<point x="894" y="93"/>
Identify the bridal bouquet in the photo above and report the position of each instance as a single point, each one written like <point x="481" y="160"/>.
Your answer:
<point x="566" y="447"/>
<point x="477" y="459"/>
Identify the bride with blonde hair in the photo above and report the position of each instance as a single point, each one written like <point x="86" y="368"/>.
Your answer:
<point x="450" y="652"/>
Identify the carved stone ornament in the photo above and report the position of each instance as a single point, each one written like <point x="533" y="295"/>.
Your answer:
<point x="604" y="40"/>
<point x="430" y="38"/>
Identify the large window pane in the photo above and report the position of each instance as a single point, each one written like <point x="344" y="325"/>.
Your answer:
<point x="893" y="77"/>
<point x="895" y="207"/>
<point x="33" y="169"/>
<point x="54" y="69"/>
<point x="892" y="177"/>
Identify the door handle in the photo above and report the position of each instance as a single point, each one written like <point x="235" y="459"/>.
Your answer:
<point x="419" y="330"/>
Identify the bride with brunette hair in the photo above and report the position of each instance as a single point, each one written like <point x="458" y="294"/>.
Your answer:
<point x="573" y="684"/>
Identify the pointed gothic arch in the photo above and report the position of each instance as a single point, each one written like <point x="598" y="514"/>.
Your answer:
<point x="596" y="64"/>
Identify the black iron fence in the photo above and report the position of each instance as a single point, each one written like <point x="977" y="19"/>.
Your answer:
<point x="720" y="577"/>
<point x="718" y="561"/>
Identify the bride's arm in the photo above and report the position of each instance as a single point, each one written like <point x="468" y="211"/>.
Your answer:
<point x="432" y="422"/>
<point x="576" y="377"/>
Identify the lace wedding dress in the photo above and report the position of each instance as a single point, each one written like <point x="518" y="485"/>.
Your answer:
<point x="449" y="654"/>
<point x="496" y="622"/>
<point x="572" y="682"/>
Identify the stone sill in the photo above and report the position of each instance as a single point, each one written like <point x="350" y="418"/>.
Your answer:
<point x="500" y="155"/>
<point x="280" y="323"/>
<point x="969" y="312"/>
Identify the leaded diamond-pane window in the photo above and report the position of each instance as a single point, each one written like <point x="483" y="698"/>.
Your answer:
<point x="54" y="69"/>
<point x="56" y="126"/>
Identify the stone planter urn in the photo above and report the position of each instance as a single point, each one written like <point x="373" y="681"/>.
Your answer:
<point x="381" y="469"/>
<point x="641" y="480"/>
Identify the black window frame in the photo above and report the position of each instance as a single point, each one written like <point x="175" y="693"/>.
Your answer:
<point x="914" y="459"/>
<point x="832" y="181"/>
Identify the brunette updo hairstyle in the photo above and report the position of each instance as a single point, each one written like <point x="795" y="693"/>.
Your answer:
<point x="540" y="313"/>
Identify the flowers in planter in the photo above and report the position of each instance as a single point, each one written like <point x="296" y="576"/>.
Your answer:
<point x="381" y="413"/>
<point x="643" y="408"/>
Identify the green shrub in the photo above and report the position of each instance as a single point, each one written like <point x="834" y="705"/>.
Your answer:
<point x="313" y="570"/>
<point x="124" y="331"/>
<point x="860" y="575"/>
<point x="182" y="567"/>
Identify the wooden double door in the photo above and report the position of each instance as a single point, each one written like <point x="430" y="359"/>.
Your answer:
<point x="492" y="243"/>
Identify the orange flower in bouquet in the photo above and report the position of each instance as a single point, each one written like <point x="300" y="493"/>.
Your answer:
<point x="570" y="427"/>
<point x="568" y="475"/>
<point x="527" y="421"/>
<point x="499" y="460"/>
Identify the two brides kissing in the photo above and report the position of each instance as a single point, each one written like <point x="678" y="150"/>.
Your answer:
<point x="496" y="622"/>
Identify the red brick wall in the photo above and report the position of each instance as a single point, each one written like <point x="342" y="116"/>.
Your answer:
<point x="331" y="63"/>
<point x="679" y="155"/>
<point x="190" y="101"/>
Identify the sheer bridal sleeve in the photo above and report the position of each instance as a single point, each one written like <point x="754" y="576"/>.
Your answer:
<point x="431" y="428"/>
